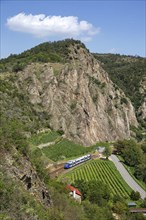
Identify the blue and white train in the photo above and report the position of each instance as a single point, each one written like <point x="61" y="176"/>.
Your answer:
<point x="74" y="162"/>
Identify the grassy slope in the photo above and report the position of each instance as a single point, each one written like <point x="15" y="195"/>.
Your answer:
<point x="43" y="138"/>
<point x="65" y="149"/>
<point x="61" y="148"/>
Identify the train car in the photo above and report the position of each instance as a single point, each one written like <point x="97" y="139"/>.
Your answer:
<point x="76" y="161"/>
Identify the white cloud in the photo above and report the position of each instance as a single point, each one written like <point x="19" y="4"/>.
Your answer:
<point x="113" y="50"/>
<point x="43" y="26"/>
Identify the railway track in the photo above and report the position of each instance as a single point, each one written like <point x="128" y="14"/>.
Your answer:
<point x="60" y="169"/>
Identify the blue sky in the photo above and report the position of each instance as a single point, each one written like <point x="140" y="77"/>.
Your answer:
<point x="104" y="26"/>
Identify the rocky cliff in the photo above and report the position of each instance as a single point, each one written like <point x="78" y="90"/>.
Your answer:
<point x="19" y="169"/>
<point x="78" y="97"/>
<point x="129" y="73"/>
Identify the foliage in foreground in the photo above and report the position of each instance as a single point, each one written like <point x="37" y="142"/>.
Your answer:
<point x="16" y="203"/>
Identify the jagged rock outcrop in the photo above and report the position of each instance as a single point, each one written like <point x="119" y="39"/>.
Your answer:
<point x="79" y="98"/>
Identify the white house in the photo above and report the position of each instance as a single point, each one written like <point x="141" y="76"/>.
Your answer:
<point x="75" y="193"/>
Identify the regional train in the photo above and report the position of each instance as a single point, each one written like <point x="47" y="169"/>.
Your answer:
<point x="76" y="161"/>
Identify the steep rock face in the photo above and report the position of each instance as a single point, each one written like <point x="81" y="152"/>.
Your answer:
<point x="80" y="99"/>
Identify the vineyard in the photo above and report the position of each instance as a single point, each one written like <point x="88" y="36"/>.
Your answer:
<point x="101" y="170"/>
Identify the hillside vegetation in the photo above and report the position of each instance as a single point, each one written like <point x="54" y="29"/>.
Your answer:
<point x="57" y="52"/>
<point x="126" y="72"/>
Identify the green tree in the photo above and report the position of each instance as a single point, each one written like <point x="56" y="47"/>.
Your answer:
<point x="107" y="151"/>
<point x="18" y="67"/>
<point x="140" y="172"/>
<point x="143" y="147"/>
<point x="135" y="195"/>
<point x="119" y="146"/>
<point x="12" y="135"/>
<point x="95" y="191"/>
<point x="143" y="204"/>
<point x="133" y="154"/>
<point x="119" y="207"/>
<point x="94" y="212"/>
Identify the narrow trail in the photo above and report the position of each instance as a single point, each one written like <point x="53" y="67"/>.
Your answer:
<point x="45" y="145"/>
<point x="50" y="143"/>
<point x="126" y="176"/>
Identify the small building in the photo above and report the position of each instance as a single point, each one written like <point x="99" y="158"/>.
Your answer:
<point x="100" y="149"/>
<point x="75" y="193"/>
<point x="138" y="210"/>
<point x="131" y="204"/>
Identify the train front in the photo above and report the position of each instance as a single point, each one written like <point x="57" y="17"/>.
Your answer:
<point x="66" y="166"/>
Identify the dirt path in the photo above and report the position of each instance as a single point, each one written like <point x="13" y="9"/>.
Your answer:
<point x="45" y="145"/>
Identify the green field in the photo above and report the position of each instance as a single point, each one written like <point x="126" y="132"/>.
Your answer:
<point x="65" y="149"/>
<point x="102" y="170"/>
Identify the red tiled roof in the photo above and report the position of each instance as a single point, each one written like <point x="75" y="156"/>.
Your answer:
<point x="74" y="189"/>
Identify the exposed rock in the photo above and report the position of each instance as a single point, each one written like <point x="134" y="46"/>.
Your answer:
<point x="21" y="170"/>
<point x="81" y="100"/>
